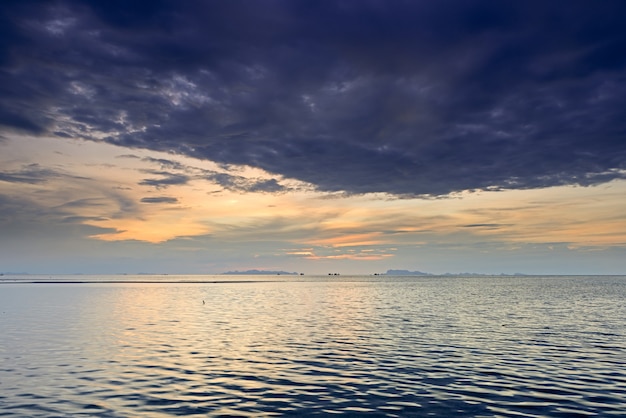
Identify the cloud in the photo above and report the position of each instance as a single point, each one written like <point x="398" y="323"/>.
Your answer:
<point x="167" y="179"/>
<point x="161" y="199"/>
<point x="243" y="184"/>
<point x="83" y="203"/>
<point x="266" y="186"/>
<point x="164" y="163"/>
<point x="25" y="219"/>
<point x="83" y="219"/>
<point x="231" y="182"/>
<point x="29" y="174"/>
<point x="407" y="98"/>
<point x="484" y="226"/>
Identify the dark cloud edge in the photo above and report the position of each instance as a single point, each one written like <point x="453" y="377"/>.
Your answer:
<point x="532" y="105"/>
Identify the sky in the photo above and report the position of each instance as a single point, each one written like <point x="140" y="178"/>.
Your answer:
<point x="357" y="136"/>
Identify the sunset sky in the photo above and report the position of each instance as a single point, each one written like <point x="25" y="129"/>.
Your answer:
<point x="313" y="136"/>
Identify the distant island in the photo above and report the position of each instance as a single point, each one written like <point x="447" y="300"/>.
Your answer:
<point x="420" y="273"/>
<point x="405" y="273"/>
<point x="273" y="272"/>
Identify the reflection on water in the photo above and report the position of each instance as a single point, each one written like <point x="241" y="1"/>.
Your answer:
<point x="434" y="346"/>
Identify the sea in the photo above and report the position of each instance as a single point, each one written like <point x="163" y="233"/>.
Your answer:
<point x="273" y="346"/>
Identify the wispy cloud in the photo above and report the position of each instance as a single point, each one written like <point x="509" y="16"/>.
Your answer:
<point x="160" y="199"/>
<point x="165" y="163"/>
<point x="485" y="226"/>
<point x="167" y="179"/>
<point x="30" y="174"/>
<point x="243" y="184"/>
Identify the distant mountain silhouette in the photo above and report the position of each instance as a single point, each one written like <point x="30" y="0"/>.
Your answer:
<point x="406" y="273"/>
<point x="420" y="273"/>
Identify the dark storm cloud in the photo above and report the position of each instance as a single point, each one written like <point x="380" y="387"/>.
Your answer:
<point x="416" y="98"/>
<point x="161" y="199"/>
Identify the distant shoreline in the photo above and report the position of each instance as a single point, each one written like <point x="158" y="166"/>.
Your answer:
<point x="258" y="278"/>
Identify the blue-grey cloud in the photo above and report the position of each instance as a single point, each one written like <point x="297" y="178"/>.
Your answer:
<point x="129" y="156"/>
<point x="485" y="226"/>
<point x="160" y="199"/>
<point x="29" y="174"/>
<point x="22" y="216"/>
<point x="83" y="219"/>
<point x="166" y="179"/>
<point x="243" y="184"/>
<point x="164" y="163"/>
<point x="179" y="173"/>
<point x="416" y="98"/>
<point x="83" y="203"/>
<point x="266" y="186"/>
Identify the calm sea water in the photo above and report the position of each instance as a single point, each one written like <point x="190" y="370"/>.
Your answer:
<point x="302" y="346"/>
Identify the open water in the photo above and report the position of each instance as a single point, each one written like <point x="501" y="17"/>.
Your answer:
<point x="305" y="346"/>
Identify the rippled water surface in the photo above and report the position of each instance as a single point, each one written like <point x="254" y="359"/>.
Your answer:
<point x="301" y="346"/>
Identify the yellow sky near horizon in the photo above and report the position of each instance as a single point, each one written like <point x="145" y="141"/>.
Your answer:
<point x="100" y="185"/>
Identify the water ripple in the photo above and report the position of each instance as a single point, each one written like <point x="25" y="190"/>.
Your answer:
<point x="444" y="347"/>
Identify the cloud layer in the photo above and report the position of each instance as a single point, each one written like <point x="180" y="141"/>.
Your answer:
<point x="407" y="98"/>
